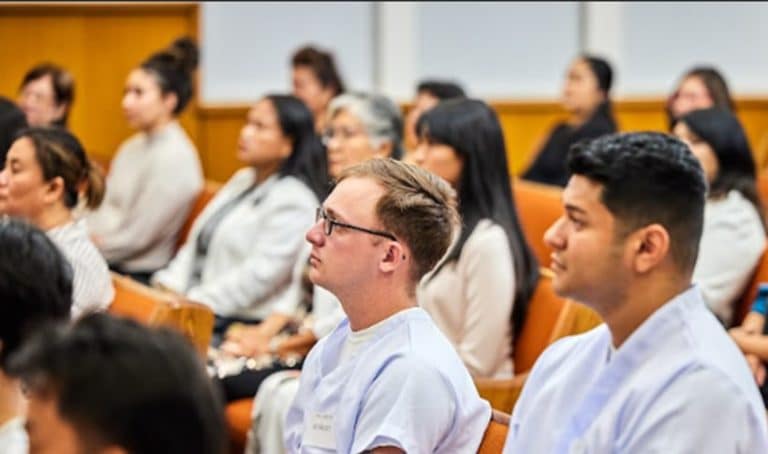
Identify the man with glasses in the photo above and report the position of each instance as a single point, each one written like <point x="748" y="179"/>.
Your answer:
<point x="385" y="380"/>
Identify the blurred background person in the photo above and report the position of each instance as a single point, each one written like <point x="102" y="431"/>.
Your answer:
<point x="12" y="120"/>
<point x="428" y="94"/>
<point x="46" y="95"/>
<point x="242" y="248"/>
<point x="27" y="303"/>
<point x="47" y="174"/>
<point x="316" y="80"/>
<point x="586" y="98"/>
<point x="109" y="385"/>
<point x="701" y="87"/>
<point x="155" y="176"/>
<point x="734" y="227"/>
<point x="478" y="294"/>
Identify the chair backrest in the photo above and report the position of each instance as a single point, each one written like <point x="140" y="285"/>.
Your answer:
<point x="549" y="318"/>
<point x="760" y="275"/>
<point x="209" y="190"/>
<point x="538" y="207"/>
<point x="495" y="434"/>
<point x="155" y="308"/>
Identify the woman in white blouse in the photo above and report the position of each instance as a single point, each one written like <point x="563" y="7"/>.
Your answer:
<point x="242" y="248"/>
<point x="478" y="294"/>
<point x="155" y="176"/>
<point x="734" y="228"/>
<point x="45" y="175"/>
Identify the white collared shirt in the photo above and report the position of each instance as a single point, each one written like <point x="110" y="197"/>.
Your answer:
<point x="678" y="384"/>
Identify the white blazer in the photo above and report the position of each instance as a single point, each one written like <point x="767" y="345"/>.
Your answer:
<point x="252" y="252"/>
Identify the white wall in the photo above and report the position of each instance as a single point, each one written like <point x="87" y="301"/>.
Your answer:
<point x="497" y="50"/>
<point x="246" y="47"/>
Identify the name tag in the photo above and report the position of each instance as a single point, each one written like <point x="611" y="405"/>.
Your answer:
<point x="319" y="431"/>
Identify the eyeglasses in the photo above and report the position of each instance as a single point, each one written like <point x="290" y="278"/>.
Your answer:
<point x="329" y="223"/>
<point x="343" y="134"/>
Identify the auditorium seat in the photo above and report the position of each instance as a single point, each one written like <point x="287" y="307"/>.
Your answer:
<point x="209" y="190"/>
<point x="538" y="207"/>
<point x="496" y="434"/>
<point x="549" y="318"/>
<point x="155" y="308"/>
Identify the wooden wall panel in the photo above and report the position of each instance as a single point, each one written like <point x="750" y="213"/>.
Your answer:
<point x="525" y="124"/>
<point x="99" y="44"/>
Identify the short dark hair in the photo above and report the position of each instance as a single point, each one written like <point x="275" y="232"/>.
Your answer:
<point x="35" y="284"/>
<point x="322" y="65"/>
<point x="120" y="383"/>
<point x="441" y="89"/>
<point x="173" y="68"/>
<point x="647" y="178"/>
<point x="63" y="86"/>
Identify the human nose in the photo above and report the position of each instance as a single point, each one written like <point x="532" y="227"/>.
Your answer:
<point x="554" y="237"/>
<point x="315" y="235"/>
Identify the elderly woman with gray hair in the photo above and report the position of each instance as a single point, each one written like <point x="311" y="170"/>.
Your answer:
<point x="360" y="126"/>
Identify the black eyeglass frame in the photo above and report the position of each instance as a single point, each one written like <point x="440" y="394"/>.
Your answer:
<point x="329" y="223"/>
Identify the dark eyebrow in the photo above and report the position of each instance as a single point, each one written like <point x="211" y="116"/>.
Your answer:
<point x="574" y="209"/>
<point x="333" y="214"/>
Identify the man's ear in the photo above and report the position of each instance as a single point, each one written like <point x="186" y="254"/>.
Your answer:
<point x="650" y="247"/>
<point x="394" y="256"/>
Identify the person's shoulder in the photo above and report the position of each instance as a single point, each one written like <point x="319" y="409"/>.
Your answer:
<point x="289" y="190"/>
<point x="567" y="348"/>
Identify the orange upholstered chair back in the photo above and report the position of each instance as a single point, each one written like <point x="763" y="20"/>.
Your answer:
<point x="496" y="434"/>
<point x="209" y="190"/>
<point x="544" y="313"/>
<point x="538" y="207"/>
<point x="152" y="307"/>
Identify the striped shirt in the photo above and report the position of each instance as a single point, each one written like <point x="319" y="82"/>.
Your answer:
<point x="92" y="286"/>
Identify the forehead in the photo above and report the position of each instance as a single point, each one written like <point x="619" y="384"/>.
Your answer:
<point x="21" y="150"/>
<point x="344" y="117"/>
<point x="693" y="83"/>
<point x="142" y="78"/>
<point x="585" y="195"/>
<point x="263" y="108"/>
<point x="355" y="198"/>
<point x="42" y="83"/>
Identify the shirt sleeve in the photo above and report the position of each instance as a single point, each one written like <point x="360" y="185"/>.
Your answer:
<point x="409" y="406"/>
<point x="678" y="419"/>
<point x="269" y="264"/>
<point x="165" y="196"/>
<point x="488" y="274"/>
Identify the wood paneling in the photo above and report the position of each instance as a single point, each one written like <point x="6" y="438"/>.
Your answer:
<point x="99" y="44"/>
<point x="525" y="124"/>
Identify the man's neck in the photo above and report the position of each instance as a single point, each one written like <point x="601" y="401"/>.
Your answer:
<point x="12" y="402"/>
<point x="640" y="302"/>
<point x="366" y="308"/>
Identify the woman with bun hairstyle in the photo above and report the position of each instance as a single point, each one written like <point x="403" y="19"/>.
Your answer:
<point x="47" y="174"/>
<point x="155" y="176"/>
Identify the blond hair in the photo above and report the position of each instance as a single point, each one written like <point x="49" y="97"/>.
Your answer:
<point x="418" y="207"/>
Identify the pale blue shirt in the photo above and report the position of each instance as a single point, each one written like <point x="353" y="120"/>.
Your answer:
<point x="678" y="385"/>
<point x="405" y="387"/>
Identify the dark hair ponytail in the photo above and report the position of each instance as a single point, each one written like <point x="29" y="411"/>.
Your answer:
<point x="173" y="68"/>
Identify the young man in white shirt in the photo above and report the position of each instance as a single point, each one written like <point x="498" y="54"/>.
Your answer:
<point x="385" y="380"/>
<point x="661" y="375"/>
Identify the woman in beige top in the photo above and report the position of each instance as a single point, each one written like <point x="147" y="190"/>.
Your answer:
<point x="479" y="293"/>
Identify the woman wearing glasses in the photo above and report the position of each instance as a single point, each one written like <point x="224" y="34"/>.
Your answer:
<point x="479" y="293"/>
<point x="242" y="248"/>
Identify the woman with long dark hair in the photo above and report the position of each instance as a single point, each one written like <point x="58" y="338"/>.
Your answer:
<point x="242" y="248"/>
<point x="479" y="293"/>
<point x="734" y="228"/>
<point x="701" y="87"/>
